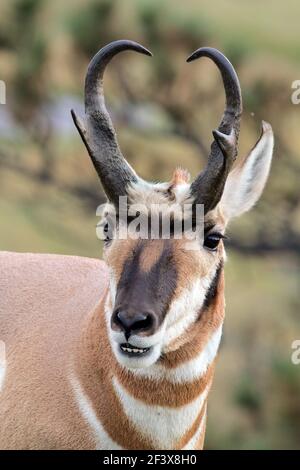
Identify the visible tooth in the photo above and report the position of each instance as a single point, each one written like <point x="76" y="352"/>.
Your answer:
<point x="134" y="350"/>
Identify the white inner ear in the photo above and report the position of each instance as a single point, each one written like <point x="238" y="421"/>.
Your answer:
<point x="246" y="181"/>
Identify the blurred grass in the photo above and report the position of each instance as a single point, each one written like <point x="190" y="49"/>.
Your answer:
<point x="257" y="26"/>
<point x="40" y="218"/>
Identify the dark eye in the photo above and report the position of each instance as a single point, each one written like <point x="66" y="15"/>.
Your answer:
<point x="212" y="240"/>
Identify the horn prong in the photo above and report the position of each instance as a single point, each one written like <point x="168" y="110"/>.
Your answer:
<point x="78" y="121"/>
<point x="226" y="142"/>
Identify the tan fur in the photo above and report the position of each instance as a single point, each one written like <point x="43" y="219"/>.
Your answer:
<point x="43" y="300"/>
<point x="180" y="176"/>
<point x="59" y="340"/>
<point x="150" y="254"/>
<point x="117" y="254"/>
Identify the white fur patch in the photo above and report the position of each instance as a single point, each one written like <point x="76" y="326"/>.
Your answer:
<point x="103" y="440"/>
<point x="185" y="309"/>
<point x="163" y="425"/>
<point x="147" y="194"/>
<point x="2" y="363"/>
<point x="112" y="286"/>
<point x="137" y="362"/>
<point x="190" y="370"/>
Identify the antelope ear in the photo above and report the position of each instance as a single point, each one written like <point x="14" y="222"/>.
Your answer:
<point x="245" y="183"/>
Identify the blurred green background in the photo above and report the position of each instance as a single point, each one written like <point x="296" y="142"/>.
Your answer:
<point x="164" y="111"/>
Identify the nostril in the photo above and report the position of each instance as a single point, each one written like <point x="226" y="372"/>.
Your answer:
<point x="123" y="319"/>
<point x="143" y="322"/>
<point x="119" y="318"/>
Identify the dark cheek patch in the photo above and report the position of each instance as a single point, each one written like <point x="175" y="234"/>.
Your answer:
<point x="213" y="288"/>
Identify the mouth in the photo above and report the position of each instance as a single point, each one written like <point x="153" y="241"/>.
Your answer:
<point x="133" y="351"/>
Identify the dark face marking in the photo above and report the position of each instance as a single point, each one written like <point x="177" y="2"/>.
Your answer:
<point x="149" y="291"/>
<point x="212" y="290"/>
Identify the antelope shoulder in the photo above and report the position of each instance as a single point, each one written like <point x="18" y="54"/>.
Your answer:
<point x="43" y="299"/>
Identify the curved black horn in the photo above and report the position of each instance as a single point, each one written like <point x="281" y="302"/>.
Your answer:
<point x="97" y="131"/>
<point x="208" y="187"/>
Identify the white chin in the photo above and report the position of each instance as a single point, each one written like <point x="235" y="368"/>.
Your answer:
<point x="136" y="362"/>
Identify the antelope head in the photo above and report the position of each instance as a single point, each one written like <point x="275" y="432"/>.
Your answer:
<point x="163" y="290"/>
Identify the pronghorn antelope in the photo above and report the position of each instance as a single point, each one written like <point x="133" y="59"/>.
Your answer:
<point x="120" y="354"/>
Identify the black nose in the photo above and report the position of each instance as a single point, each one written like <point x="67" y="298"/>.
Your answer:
<point x="132" y="323"/>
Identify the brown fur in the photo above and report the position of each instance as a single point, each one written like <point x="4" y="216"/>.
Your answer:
<point x="151" y="254"/>
<point x="43" y="299"/>
<point x="163" y="392"/>
<point x="41" y="395"/>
